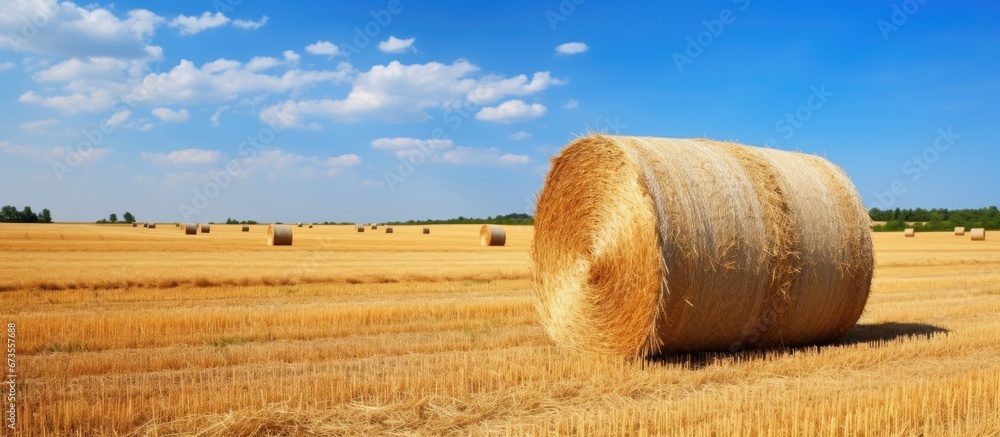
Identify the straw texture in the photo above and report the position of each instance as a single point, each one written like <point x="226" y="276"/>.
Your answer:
<point x="279" y="235"/>
<point x="190" y="229"/>
<point x="960" y="232"/>
<point x="205" y="228"/>
<point x="978" y="234"/>
<point x="492" y="235"/>
<point x="648" y="246"/>
<point x="909" y="232"/>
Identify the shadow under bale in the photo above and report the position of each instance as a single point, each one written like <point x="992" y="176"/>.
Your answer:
<point x="874" y="334"/>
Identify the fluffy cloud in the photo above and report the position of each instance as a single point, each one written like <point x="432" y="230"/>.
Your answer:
<point x="396" y="45"/>
<point x="511" y="111"/>
<point x="404" y="93"/>
<point x="195" y="24"/>
<point x="169" y="116"/>
<point x="482" y="156"/>
<point x="183" y="157"/>
<point x="410" y="143"/>
<point x="7" y="65"/>
<point x="571" y="104"/>
<point x="39" y="126"/>
<point x="276" y="164"/>
<point x="571" y="48"/>
<point x="323" y="48"/>
<point x="520" y="135"/>
<point x="57" y="153"/>
<point x="250" y="24"/>
<point x="65" y="29"/>
<point x="261" y="63"/>
<point x="118" y="118"/>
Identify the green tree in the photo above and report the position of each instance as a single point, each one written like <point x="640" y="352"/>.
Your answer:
<point x="45" y="216"/>
<point x="128" y="217"/>
<point x="113" y="218"/>
<point x="9" y="214"/>
<point x="27" y="216"/>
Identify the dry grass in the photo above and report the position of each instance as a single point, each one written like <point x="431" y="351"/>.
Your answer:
<point x="162" y="334"/>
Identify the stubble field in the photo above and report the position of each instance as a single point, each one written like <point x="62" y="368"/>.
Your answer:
<point x="133" y="331"/>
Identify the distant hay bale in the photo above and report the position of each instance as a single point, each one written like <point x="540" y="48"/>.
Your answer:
<point x="205" y="228"/>
<point x="190" y="229"/>
<point x="960" y="231"/>
<point x="177" y="225"/>
<point x="361" y="228"/>
<point x="145" y="225"/>
<point x="388" y="229"/>
<point x="427" y="230"/>
<point x="909" y="232"/>
<point x="279" y="235"/>
<point x="978" y="234"/>
<point x="246" y="228"/>
<point x="651" y="246"/>
<point x="299" y="224"/>
<point x="134" y="224"/>
<point x="310" y="226"/>
<point x="492" y="235"/>
<point x="152" y="226"/>
<point x="374" y="227"/>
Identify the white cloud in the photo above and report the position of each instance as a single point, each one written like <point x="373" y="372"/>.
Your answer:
<point x="571" y="48"/>
<point x="69" y="30"/>
<point x="53" y="154"/>
<point x="39" y="126"/>
<point x="102" y="68"/>
<point x="396" y="45"/>
<point x="410" y="143"/>
<point x="511" y="111"/>
<point x="260" y="63"/>
<point x="91" y="100"/>
<point x="169" y="116"/>
<point x="404" y="93"/>
<point x="482" y="156"/>
<point x="217" y="114"/>
<point x="183" y="157"/>
<point x="7" y="65"/>
<point x="195" y="24"/>
<point x="292" y="58"/>
<point x="571" y="104"/>
<point x="520" y="135"/>
<point x="323" y="48"/>
<point x="277" y="164"/>
<point x="348" y="160"/>
<point x="118" y="118"/>
<point x="250" y="24"/>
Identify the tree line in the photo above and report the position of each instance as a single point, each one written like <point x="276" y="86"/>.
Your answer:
<point x="113" y="218"/>
<point x="509" y="219"/>
<point x="939" y="219"/>
<point x="10" y="214"/>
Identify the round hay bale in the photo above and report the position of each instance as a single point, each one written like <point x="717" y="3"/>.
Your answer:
<point x="427" y="230"/>
<point x="361" y="228"/>
<point x="190" y="229"/>
<point x="388" y="229"/>
<point x="492" y="235"/>
<point x="960" y="231"/>
<point x="279" y="235"/>
<point x="650" y="246"/>
<point x="245" y="228"/>
<point x="374" y="227"/>
<point x="310" y="226"/>
<point x="145" y="225"/>
<point x="152" y="226"/>
<point x="978" y="234"/>
<point x="205" y="228"/>
<point x="909" y="232"/>
<point x="299" y="224"/>
<point x="134" y="224"/>
<point x="177" y="225"/>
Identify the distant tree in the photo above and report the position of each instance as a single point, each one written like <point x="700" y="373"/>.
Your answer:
<point x="128" y="217"/>
<point x="9" y="214"/>
<point x="27" y="216"/>
<point x="113" y="218"/>
<point x="45" y="216"/>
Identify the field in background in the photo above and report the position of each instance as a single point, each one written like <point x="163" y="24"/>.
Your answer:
<point x="149" y="332"/>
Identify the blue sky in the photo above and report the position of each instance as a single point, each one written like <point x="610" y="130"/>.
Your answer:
<point x="383" y="110"/>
